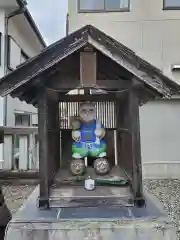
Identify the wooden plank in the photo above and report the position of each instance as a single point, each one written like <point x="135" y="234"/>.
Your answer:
<point x="103" y="84"/>
<point x="88" y="69"/>
<point x="81" y="98"/>
<point x="77" y="196"/>
<point x="155" y="81"/>
<point x="64" y="176"/>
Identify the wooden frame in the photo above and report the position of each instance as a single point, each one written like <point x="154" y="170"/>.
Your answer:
<point x="70" y="84"/>
<point x="49" y="129"/>
<point x="46" y="175"/>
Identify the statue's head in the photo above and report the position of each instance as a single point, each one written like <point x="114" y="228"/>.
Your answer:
<point x="87" y="112"/>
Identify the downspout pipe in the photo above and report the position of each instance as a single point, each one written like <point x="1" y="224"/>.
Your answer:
<point x="7" y="17"/>
<point x="67" y="24"/>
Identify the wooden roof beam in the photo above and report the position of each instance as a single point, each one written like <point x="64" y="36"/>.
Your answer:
<point x="104" y="84"/>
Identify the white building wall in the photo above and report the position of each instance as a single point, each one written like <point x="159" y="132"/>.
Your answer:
<point x="24" y="39"/>
<point x="15" y="105"/>
<point x="153" y="34"/>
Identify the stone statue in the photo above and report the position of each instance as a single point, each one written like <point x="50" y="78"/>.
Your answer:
<point x="88" y="137"/>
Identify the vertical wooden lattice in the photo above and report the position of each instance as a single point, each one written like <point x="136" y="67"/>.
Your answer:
<point x="105" y="112"/>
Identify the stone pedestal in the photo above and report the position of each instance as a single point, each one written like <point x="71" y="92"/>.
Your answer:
<point x="92" y="223"/>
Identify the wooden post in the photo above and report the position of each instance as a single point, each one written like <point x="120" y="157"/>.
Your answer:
<point x="43" y="149"/>
<point x="136" y="148"/>
<point x="53" y="137"/>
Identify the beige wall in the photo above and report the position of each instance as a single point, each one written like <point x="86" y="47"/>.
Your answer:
<point x="152" y="33"/>
<point x="160" y="138"/>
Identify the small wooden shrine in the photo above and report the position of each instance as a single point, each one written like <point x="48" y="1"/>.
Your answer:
<point x="90" y="66"/>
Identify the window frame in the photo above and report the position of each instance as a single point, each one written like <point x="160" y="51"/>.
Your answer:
<point x="24" y="55"/>
<point x="103" y="10"/>
<point x="169" y="7"/>
<point x="9" y="52"/>
<point x="21" y="115"/>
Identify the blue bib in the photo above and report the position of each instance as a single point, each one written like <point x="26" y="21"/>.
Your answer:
<point x="87" y="132"/>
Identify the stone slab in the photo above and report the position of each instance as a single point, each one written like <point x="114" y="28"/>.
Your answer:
<point x="92" y="223"/>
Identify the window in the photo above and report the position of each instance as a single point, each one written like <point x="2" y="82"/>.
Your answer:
<point x="171" y="4"/>
<point x="176" y="71"/>
<point x="22" y="120"/>
<point x="14" y="54"/>
<point x="103" y="5"/>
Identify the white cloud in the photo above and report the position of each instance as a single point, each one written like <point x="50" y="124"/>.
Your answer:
<point x="50" y="18"/>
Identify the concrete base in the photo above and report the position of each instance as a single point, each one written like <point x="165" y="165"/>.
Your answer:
<point x="132" y="223"/>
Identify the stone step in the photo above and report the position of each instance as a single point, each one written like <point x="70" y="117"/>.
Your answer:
<point x="93" y="230"/>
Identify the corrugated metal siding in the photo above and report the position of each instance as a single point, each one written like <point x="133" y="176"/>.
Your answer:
<point x="105" y="112"/>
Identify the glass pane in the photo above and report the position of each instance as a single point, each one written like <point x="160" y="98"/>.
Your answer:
<point x="23" y="59"/>
<point x="172" y="3"/>
<point x="91" y="5"/>
<point x="18" y="119"/>
<point x="25" y="120"/>
<point x="116" y="4"/>
<point x="17" y="139"/>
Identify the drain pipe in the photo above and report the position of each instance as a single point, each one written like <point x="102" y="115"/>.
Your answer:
<point x="7" y="17"/>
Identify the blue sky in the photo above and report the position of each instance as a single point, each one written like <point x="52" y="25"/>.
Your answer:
<point x="50" y="17"/>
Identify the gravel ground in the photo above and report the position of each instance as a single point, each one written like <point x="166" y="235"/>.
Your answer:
<point x="16" y="195"/>
<point x="167" y="191"/>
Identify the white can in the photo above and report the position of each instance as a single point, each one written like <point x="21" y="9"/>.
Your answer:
<point x="89" y="184"/>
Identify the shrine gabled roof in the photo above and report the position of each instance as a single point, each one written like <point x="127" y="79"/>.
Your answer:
<point x="55" y="53"/>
